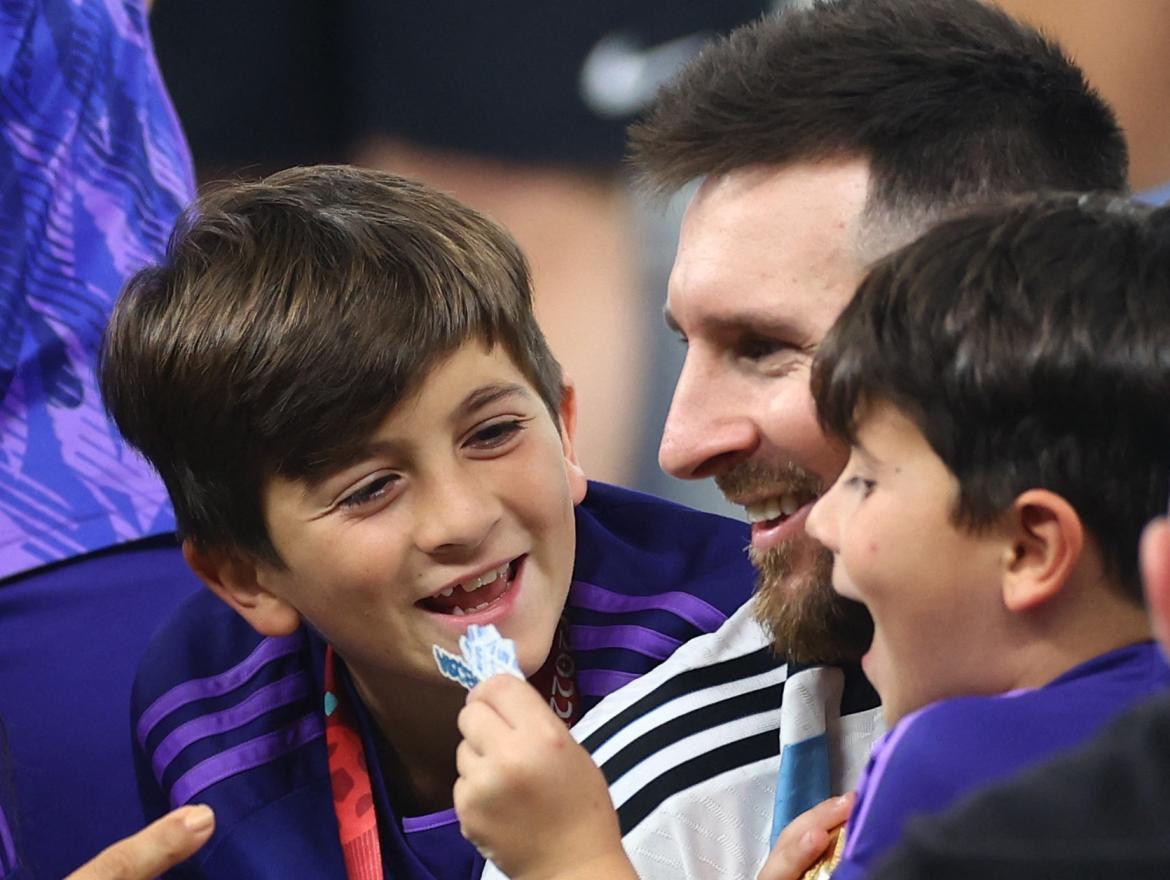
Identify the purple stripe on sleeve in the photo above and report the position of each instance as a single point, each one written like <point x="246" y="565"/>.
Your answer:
<point x="602" y="682"/>
<point x="253" y="753"/>
<point x="641" y="639"/>
<point x="690" y="608"/>
<point x="271" y="696"/>
<point x="216" y="685"/>
<point x="7" y="848"/>
<point x="871" y="778"/>
<point x="411" y="824"/>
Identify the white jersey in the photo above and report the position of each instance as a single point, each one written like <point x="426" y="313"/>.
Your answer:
<point x="691" y="750"/>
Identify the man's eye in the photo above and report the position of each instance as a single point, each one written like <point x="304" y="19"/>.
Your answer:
<point x="371" y="491"/>
<point x="760" y="348"/>
<point x="496" y="434"/>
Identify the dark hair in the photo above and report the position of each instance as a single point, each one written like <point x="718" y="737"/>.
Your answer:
<point x="1031" y="345"/>
<point x="288" y="317"/>
<point x="952" y="102"/>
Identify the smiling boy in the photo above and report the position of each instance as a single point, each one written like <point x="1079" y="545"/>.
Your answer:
<point x="1003" y="385"/>
<point x="369" y="447"/>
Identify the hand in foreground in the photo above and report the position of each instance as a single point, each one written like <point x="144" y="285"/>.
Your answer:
<point x="528" y="796"/>
<point x="154" y="849"/>
<point x="805" y="839"/>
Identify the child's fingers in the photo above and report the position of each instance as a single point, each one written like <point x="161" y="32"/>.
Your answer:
<point x="790" y="861"/>
<point x="513" y="699"/>
<point x="805" y="839"/>
<point x="481" y="725"/>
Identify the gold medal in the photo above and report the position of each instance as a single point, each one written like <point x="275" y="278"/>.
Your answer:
<point x="824" y="867"/>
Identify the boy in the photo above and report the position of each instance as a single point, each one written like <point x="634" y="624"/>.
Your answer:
<point x="1004" y="388"/>
<point x="1003" y="385"/>
<point x="369" y="447"/>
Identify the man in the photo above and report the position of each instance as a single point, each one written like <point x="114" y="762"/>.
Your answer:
<point x="824" y="138"/>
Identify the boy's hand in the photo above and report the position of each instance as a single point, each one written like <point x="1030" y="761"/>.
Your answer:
<point x="805" y="839"/>
<point x="528" y="796"/>
<point x="156" y="848"/>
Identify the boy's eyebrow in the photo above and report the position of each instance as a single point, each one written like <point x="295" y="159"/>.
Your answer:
<point x="870" y="458"/>
<point x="488" y="394"/>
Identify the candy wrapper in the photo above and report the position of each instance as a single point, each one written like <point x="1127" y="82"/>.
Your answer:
<point x="485" y="653"/>
<point x="824" y="867"/>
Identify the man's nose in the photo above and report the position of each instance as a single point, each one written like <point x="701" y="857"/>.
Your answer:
<point x="706" y="431"/>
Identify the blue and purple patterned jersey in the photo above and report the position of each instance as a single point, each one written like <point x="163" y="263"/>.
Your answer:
<point x="935" y="756"/>
<point x="225" y="717"/>
<point x="93" y="172"/>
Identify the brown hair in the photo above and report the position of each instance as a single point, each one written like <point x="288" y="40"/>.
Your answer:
<point x="1031" y="345"/>
<point x="952" y="102"/>
<point x="288" y="317"/>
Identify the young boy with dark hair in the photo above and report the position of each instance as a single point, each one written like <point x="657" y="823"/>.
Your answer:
<point x="1002" y="384"/>
<point x="368" y="444"/>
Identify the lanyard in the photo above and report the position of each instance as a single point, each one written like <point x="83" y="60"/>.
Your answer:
<point x="353" y="797"/>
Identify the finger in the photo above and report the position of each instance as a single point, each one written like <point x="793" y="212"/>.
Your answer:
<point x="467" y="760"/>
<point x="789" y="861"/>
<point x="482" y="726"/>
<point x="516" y="701"/>
<point x="154" y="849"/>
<point x="826" y="816"/>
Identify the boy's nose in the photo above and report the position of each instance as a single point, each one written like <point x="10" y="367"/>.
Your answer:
<point x="458" y="515"/>
<point x="821" y="520"/>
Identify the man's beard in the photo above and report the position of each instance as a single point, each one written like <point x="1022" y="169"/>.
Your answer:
<point x="808" y="621"/>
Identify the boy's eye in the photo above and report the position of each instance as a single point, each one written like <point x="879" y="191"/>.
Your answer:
<point x="371" y="491"/>
<point x="861" y="484"/>
<point x="496" y="434"/>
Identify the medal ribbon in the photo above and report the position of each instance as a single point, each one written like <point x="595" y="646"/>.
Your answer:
<point x="349" y="776"/>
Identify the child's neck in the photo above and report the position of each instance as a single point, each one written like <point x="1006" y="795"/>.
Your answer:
<point x="1093" y="619"/>
<point x="418" y="738"/>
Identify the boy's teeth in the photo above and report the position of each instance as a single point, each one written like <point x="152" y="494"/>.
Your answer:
<point x="457" y="611"/>
<point x="482" y="581"/>
<point x="447" y="592"/>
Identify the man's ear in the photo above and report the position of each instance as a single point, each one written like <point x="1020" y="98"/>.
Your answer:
<point x="578" y="483"/>
<point x="235" y="579"/>
<point x="1045" y="540"/>
<point x="1155" y="561"/>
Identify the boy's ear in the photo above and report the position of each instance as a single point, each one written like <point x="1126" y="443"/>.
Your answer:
<point x="577" y="480"/>
<point x="1155" y="562"/>
<point x="1045" y="540"/>
<point x="235" y="579"/>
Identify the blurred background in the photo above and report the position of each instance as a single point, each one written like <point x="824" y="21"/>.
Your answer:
<point x="519" y="107"/>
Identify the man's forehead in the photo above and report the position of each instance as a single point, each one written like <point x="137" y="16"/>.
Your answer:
<point x="769" y="249"/>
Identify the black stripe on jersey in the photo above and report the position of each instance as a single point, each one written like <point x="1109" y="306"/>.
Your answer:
<point x="698" y="769"/>
<point x="765" y="699"/>
<point x="759" y="661"/>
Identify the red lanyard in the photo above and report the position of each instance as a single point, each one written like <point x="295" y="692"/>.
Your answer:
<point x="353" y="796"/>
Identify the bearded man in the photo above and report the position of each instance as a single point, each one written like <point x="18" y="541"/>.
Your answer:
<point x="823" y="138"/>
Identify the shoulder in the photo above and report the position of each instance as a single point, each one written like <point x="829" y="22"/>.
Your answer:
<point x="705" y="721"/>
<point x="1069" y="817"/>
<point x="647" y="546"/>
<point x="222" y="715"/>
